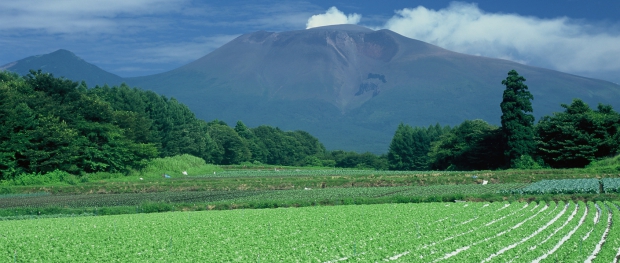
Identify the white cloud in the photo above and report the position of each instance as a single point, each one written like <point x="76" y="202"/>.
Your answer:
<point x="559" y="43"/>
<point x="333" y="16"/>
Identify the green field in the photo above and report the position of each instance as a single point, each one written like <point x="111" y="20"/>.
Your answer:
<point x="42" y="200"/>
<point x="316" y="216"/>
<point x="430" y="232"/>
<point x="272" y="187"/>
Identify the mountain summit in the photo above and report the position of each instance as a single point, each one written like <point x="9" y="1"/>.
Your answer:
<point x="351" y="86"/>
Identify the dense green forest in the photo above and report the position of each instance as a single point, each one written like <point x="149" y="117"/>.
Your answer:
<point x="49" y="123"/>
<point x="569" y="139"/>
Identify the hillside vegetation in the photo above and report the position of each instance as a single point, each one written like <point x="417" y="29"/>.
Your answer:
<point x="570" y="139"/>
<point x="53" y="124"/>
<point x="50" y="124"/>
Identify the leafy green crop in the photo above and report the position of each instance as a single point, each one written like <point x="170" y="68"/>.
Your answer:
<point x="611" y="185"/>
<point x="564" y="186"/>
<point x="428" y="232"/>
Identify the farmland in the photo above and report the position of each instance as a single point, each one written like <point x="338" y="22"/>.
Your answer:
<point x="41" y="200"/>
<point x="279" y="178"/>
<point x="317" y="216"/>
<point x="429" y="232"/>
<point x="277" y="187"/>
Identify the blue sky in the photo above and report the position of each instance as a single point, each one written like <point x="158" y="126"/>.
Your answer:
<point x="141" y="37"/>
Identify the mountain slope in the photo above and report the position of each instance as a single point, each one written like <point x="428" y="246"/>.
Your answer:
<point x="63" y="63"/>
<point x="351" y="86"/>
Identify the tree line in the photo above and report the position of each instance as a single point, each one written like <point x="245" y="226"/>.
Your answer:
<point x="569" y="139"/>
<point x="49" y="123"/>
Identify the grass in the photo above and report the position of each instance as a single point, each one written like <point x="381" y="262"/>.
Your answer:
<point x="175" y="166"/>
<point x="607" y="165"/>
<point x="283" y="180"/>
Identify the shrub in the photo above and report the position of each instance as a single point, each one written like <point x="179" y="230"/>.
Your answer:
<point x="55" y="177"/>
<point x="526" y="162"/>
<point x="175" y="165"/>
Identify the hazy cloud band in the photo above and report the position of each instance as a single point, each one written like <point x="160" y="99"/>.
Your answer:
<point x="558" y="43"/>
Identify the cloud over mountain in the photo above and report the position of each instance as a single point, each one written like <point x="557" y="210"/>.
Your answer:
<point x="560" y="43"/>
<point x="332" y="16"/>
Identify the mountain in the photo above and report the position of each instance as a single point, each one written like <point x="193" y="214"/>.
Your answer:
<point x="351" y="86"/>
<point x="347" y="85"/>
<point x="63" y="63"/>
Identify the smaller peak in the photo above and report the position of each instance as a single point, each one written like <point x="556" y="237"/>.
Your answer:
<point x="63" y="51"/>
<point x="342" y="27"/>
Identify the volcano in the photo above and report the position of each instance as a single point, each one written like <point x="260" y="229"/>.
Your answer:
<point x="351" y="86"/>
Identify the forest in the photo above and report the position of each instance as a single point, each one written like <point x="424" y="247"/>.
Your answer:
<point x="569" y="139"/>
<point x="49" y="124"/>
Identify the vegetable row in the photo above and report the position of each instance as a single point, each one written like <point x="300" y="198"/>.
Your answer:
<point x="570" y="186"/>
<point x="428" y="232"/>
<point x="297" y="195"/>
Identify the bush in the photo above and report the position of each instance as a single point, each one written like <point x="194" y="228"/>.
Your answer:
<point x="6" y="190"/>
<point x="526" y="162"/>
<point x="55" y="177"/>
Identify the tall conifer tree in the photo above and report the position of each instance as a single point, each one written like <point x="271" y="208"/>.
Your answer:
<point x="517" y="120"/>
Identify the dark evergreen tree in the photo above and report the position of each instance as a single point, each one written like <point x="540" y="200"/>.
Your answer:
<point x="401" y="151"/>
<point x="244" y="131"/>
<point x="517" y="120"/>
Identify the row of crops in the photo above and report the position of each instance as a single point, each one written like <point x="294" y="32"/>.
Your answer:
<point x="428" y="232"/>
<point x="611" y="185"/>
<point x="570" y="186"/>
<point x="239" y="196"/>
<point x="312" y="196"/>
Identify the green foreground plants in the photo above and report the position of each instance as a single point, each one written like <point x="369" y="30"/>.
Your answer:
<point x="452" y="232"/>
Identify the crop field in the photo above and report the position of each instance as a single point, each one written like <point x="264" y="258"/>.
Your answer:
<point x="611" y="185"/>
<point x="321" y="172"/>
<point x="40" y="200"/>
<point x="427" y="232"/>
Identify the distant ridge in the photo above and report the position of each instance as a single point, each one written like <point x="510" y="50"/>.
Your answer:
<point x="348" y="85"/>
<point x="63" y="63"/>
